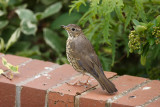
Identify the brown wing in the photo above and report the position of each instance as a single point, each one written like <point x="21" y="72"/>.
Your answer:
<point x="86" y="57"/>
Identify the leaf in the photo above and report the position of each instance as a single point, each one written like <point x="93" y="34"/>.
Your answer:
<point x="113" y="48"/>
<point x="47" y="2"/>
<point x="28" y="27"/>
<point x="2" y="45"/>
<point x="129" y="11"/>
<point x="1" y="71"/>
<point x="52" y="10"/>
<point x="26" y="14"/>
<point x="140" y="28"/>
<point x="14" y="37"/>
<point x="4" y="61"/>
<point x="158" y="19"/>
<point x="2" y="13"/>
<point x="140" y="8"/>
<point x="3" y="23"/>
<point x="119" y="13"/>
<point x="136" y="22"/>
<point x="72" y="18"/>
<point x="39" y="15"/>
<point x="9" y="66"/>
<point x="151" y="41"/>
<point x="14" y="69"/>
<point x="143" y="60"/>
<point x="76" y="4"/>
<point x="53" y="40"/>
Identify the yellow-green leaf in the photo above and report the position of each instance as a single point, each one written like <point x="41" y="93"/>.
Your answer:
<point x="4" y="61"/>
<point x="1" y="71"/>
<point x="10" y="66"/>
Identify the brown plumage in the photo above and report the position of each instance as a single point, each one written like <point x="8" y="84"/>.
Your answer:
<point x="82" y="57"/>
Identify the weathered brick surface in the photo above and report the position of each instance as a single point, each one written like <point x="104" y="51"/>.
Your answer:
<point x="156" y="103"/>
<point x="98" y="97"/>
<point x="39" y="86"/>
<point x="68" y="92"/>
<point x="7" y="94"/>
<point x="43" y="84"/>
<point x="8" y="88"/>
<point x="26" y="71"/>
<point x="141" y="95"/>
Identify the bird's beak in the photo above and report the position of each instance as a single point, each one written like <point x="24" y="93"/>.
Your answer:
<point x="62" y="26"/>
<point x="65" y="27"/>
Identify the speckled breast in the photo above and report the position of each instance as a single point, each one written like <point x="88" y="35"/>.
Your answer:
<point x="70" y="58"/>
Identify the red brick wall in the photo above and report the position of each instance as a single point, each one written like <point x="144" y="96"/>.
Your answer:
<point x="43" y="84"/>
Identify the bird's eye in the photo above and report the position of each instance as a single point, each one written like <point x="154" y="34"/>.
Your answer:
<point x="73" y="29"/>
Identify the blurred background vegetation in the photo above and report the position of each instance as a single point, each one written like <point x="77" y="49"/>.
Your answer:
<point x="124" y="33"/>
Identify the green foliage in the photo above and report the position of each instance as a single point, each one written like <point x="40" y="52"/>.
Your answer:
<point x="124" y="33"/>
<point x="31" y="29"/>
<point x="123" y="27"/>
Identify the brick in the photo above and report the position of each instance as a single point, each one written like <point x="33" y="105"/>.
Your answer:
<point x="64" y="95"/>
<point x="98" y="97"/>
<point x="27" y="71"/>
<point x="7" y="95"/>
<point x="14" y="60"/>
<point x="154" y="104"/>
<point x="140" y="96"/>
<point x="38" y="87"/>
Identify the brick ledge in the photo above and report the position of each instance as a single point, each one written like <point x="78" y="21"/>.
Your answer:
<point x="43" y="84"/>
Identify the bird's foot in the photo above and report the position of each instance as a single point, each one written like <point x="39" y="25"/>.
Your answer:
<point x="73" y="83"/>
<point x="80" y="83"/>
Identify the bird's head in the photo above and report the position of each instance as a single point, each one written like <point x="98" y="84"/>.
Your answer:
<point x="72" y="30"/>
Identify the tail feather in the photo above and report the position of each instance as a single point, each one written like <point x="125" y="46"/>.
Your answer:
<point x="107" y="85"/>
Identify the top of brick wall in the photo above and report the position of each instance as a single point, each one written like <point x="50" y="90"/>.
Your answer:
<point x="43" y="84"/>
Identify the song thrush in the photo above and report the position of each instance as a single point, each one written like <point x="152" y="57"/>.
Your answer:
<point x="82" y="57"/>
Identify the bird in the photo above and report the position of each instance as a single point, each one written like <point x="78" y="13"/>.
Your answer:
<point x="81" y="55"/>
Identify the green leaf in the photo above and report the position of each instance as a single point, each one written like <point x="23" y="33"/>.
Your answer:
<point x="2" y="45"/>
<point x="38" y="15"/>
<point x="76" y="4"/>
<point x="140" y="28"/>
<point x="28" y="27"/>
<point x="52" y="10"/>
<point x="2" y="13"/>
<point x="4" y="61"/>
<point x="158" y="18"/>
<point x="26" y="14"/>
<point x="72" y="18"/>
<point x="1" y="71"/>
<point x="9" y="66"/>
<point x="129" y="11"/>
<point x="53" y="40"/>
<point x="143" y="60"/>
<point x="151" y="41"/>
<point x="47" y="2"/>
<point x="119" y="13"/>
<point x="14" y="37"/>
<point x="3" y="23"/>
<point x="136" y="22"/>
<point x="113" y="49"/>
<point x="140" y="8"/>
<point x="14" y="69"/>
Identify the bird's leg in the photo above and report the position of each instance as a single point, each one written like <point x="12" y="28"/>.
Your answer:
<point x="76" y="81"/>
<point x="86" y="82"/>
